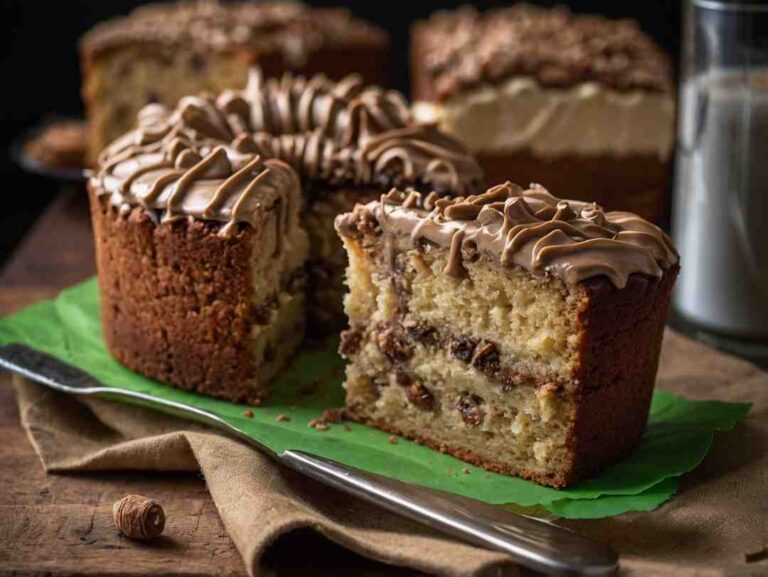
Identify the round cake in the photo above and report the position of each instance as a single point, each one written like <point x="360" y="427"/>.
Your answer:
<point x="214" y="221"/>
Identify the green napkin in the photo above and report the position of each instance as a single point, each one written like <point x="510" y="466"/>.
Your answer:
<point x="678" y="437"/>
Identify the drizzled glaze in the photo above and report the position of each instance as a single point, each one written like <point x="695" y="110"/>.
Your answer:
<point x="569" y="239"/>
<point x="201" y="159"/>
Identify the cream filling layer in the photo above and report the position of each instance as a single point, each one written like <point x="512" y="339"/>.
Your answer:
<point x="586" y="120"/>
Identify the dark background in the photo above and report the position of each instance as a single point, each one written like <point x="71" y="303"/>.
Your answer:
<point x="40" y="73"/>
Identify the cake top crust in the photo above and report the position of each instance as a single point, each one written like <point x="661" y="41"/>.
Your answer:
<point x="568" y="239"/>
<point x="290" y="28"/>
<point x="465" y="48"/>
<point x="339" y="133"/>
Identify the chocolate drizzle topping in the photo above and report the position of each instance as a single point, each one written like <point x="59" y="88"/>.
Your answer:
<point x="465" y="48"/>
<point x="532" y="229"/>
<point x="202" y="158"/>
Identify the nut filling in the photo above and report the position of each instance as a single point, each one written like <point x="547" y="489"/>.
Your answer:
<point x="523" y="337"/>
<point x="469" y="406"/>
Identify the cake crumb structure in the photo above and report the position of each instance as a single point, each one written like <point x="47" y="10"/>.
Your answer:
<point x="513" y="330"/>
<point x="214" y="221"/>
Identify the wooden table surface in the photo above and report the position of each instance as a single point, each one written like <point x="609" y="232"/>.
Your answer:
<point x="60" y="525"/>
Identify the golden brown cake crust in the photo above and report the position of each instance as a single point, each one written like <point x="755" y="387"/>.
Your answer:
<point x="188" y="289"/>
<point x="619" y="356"/>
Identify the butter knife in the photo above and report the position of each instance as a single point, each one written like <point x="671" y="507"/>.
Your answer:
<point x="533" y="543"/>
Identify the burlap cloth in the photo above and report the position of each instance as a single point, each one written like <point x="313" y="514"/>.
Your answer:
<point x="720" y="513"/>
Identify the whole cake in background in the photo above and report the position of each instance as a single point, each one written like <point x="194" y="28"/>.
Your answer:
<point x="532" y="92"/>
<point x="162" y="52"/>
<point x="511" y="329"/>
<point x="214" y="221"/>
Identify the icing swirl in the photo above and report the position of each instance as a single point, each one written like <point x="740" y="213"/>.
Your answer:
<point x="532" y="229"/>
<point x="206" y="149"/>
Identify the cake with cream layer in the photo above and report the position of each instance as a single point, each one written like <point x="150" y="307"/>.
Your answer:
<point x="214" y="221"/>
<point x="511" y="329"/>
<point x="533" y="91"/>
<point x="162" y="52"/>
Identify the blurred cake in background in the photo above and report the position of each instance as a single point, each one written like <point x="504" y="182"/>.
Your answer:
<point x="162" y="52"/>
<point x="61" y="143"/>
<point x="585" y="100"/>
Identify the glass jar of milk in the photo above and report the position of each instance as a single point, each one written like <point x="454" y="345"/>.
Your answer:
<point x="720" y="213"/>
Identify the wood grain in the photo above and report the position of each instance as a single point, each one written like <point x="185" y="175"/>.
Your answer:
<point x="61" y="525"/>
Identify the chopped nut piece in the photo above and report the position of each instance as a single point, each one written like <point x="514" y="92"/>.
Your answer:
<point x="282" y="418"/>
<point x="248" y="413"/>
<point x="423" y="334"/>
<point x="463" y="349"/>
<point x="392" y="440"/>
<point x="486" y="357"/>
<point x="351" y="340"/>
<point x="401" y="378"/>
<point x="469" y="407"/>
<point x="420" y="396"/>
<point x="393" y="344"/>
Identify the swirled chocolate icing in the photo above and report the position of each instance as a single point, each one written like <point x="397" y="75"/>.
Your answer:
<point x="532" y="229"/>
<point x="200" y="159"/>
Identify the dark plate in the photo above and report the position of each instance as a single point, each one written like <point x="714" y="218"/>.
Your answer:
<point x="34" y="166"/>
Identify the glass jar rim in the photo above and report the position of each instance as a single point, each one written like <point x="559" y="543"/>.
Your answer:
<point x="743" y="7"/>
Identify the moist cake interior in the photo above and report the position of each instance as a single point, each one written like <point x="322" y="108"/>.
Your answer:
<point x="510" y="329"/>
<point x="467" y="360"/>
<point x="327" y="145"/>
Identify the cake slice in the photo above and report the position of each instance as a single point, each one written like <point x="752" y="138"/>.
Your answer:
<point x="510" y="329"/>
<point x="200" y="257"/>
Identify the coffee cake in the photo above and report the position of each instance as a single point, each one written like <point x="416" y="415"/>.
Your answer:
<point x="510" y="329"/>
<point x="200" y="215"/>
<point x="160" y="53"/>
<point x="532" y="91"/>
